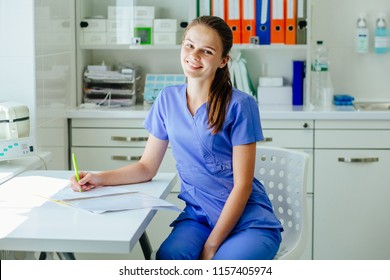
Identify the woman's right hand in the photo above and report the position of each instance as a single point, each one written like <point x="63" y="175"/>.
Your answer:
<point x="87" y="181"/>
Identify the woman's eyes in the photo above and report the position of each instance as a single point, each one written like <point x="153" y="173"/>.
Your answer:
<point x="205" y="51"/>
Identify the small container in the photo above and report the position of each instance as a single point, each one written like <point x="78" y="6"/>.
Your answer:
<point x="382" y="36"/>
<point x="362" y="36"/>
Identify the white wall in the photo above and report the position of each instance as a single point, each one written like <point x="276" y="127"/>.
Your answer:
<point x="364" y="76"/>
<point x="17" y="57"/>
<point x="55" y="75"/>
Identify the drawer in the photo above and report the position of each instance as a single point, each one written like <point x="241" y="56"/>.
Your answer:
<point x="99" y="159"/>
<point x="114" y="137"/>
<point x="287" y="124"/>
<point x="288" y="138"/>
<point x="352" y="139"/>
<point x="107" y="123"/>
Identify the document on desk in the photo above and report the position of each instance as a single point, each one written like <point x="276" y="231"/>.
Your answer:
<point x="108" y="199"/>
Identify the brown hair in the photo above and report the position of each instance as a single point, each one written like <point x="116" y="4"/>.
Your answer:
<point x="221" y="88"/>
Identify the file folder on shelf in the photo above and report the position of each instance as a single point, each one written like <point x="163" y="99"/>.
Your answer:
<point x="203" y="7"/>
<point x="298" y="82"/>
<point x="218" y="8"/>
<point x="277" y="22"/>
<point x="192" y="10"/>
<point x="290" y="22"/>
<point x="233" y="19"/>
<point x="301" y="22"/>
<point x="263" y="21"/>
<point x="248" y="20"/>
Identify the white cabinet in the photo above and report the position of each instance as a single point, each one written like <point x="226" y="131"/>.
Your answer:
<point x="352" y="190"/>
<point x="297" y="135"/>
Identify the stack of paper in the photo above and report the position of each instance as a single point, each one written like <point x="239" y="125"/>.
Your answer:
<point x="107" y="199"/>
<point x="239" y="75"/>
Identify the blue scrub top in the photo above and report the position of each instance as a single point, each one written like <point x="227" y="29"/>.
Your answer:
<point x="204" y="160"/>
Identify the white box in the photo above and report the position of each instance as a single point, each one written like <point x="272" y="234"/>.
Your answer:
<point x="274" y="95"/>
<point x="144" y="12"/>
<point x="115" y="12"/>
<point x="271" y="81"/>
<point x="95" y="25"/>
<point x="165" y="38"/>
<point x="98" y="38"/>
<point x="119" y="38"/>
<point x="121" y="25"/>
<point x="165" y="25"/>
<point x="143" y="23"/>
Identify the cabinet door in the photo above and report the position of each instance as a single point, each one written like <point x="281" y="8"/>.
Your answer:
<point x="351" y="204"/>
<point x="91" y="158"/>
<point x="109" y="137"/>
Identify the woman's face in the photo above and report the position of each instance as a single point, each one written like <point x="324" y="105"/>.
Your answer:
<point x="201" y="53"/>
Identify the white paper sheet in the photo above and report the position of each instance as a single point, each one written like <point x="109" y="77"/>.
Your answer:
<point x="122" y="202"/>
<point x="107" y="199"/>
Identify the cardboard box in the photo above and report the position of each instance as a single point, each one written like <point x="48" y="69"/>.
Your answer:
<point x="271" y="81"/>
<point x="95" y="25"/>
<point x="115" y="12"/>
<point x="119" y="38"/>
<point x="165" y="38"/>
<point x="97" y="38"/>
<point x="121" y="25"/>
<point x="143" y="22"/>
<point x="274" y="95"/>
<point x="166" y="25"/>
<point x="145" y="34"/>
<point x="144" y="12"/>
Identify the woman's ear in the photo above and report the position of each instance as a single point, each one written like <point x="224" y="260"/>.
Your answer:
<point x="224" y="62"/>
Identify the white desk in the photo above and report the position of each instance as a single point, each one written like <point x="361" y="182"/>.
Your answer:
<point x="32" y="223"/>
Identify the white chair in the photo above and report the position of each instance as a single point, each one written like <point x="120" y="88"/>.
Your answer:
<point x="283" y="173"/>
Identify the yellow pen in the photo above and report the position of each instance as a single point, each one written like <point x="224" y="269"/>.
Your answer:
<point x="76" y="168"/>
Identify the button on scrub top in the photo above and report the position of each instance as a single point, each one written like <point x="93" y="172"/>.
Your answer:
<point x="204" y="160"/>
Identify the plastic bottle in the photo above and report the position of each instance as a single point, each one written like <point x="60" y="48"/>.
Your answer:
<point x="321" y="89"/>
<point x="362" y="34"/>
<point x="382" y="39"/>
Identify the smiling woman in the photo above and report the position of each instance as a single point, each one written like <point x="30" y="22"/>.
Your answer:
<point x="212" y="129"/>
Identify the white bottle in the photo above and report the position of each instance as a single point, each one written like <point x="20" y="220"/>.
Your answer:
<point x="321" y="89"/>
<point x="362" y="37"/>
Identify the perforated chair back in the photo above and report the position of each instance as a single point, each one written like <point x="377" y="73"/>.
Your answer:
<point x="283" y="173"/>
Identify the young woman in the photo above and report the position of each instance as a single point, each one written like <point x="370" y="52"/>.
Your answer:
<point x="213" y="129"/>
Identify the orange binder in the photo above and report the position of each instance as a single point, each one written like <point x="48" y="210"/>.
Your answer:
<point x="290" y="15"/>
<point x="277" y="22"/>
<point x="218" y="8"/>
<point x="248" y="20"/>
<point x="233" y="19"/>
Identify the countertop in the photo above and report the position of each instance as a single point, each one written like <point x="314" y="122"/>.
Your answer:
<point x="269" y="112"/>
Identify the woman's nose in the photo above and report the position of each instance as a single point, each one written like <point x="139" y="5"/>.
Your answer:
<point x="195" y="54"/>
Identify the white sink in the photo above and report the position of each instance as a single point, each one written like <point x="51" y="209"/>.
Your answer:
<point x="372" y="106"/>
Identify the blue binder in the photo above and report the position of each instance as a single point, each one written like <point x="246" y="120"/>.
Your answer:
<point x="263" y="21"/>
<point x="298" y="82"/>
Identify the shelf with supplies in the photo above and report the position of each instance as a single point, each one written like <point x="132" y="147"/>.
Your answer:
<point x="177" y="47"/>
<point x="272" y="59"/>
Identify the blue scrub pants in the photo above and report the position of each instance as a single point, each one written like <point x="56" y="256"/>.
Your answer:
<point x="188" y="237"/>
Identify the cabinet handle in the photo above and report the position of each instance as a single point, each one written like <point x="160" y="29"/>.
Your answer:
<point x="126" y="158"/>
<point x="129" y="139"/>
<point x="83" y="24"/>
<point x="267" y="139"/>
<point x="368" y="159"/>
